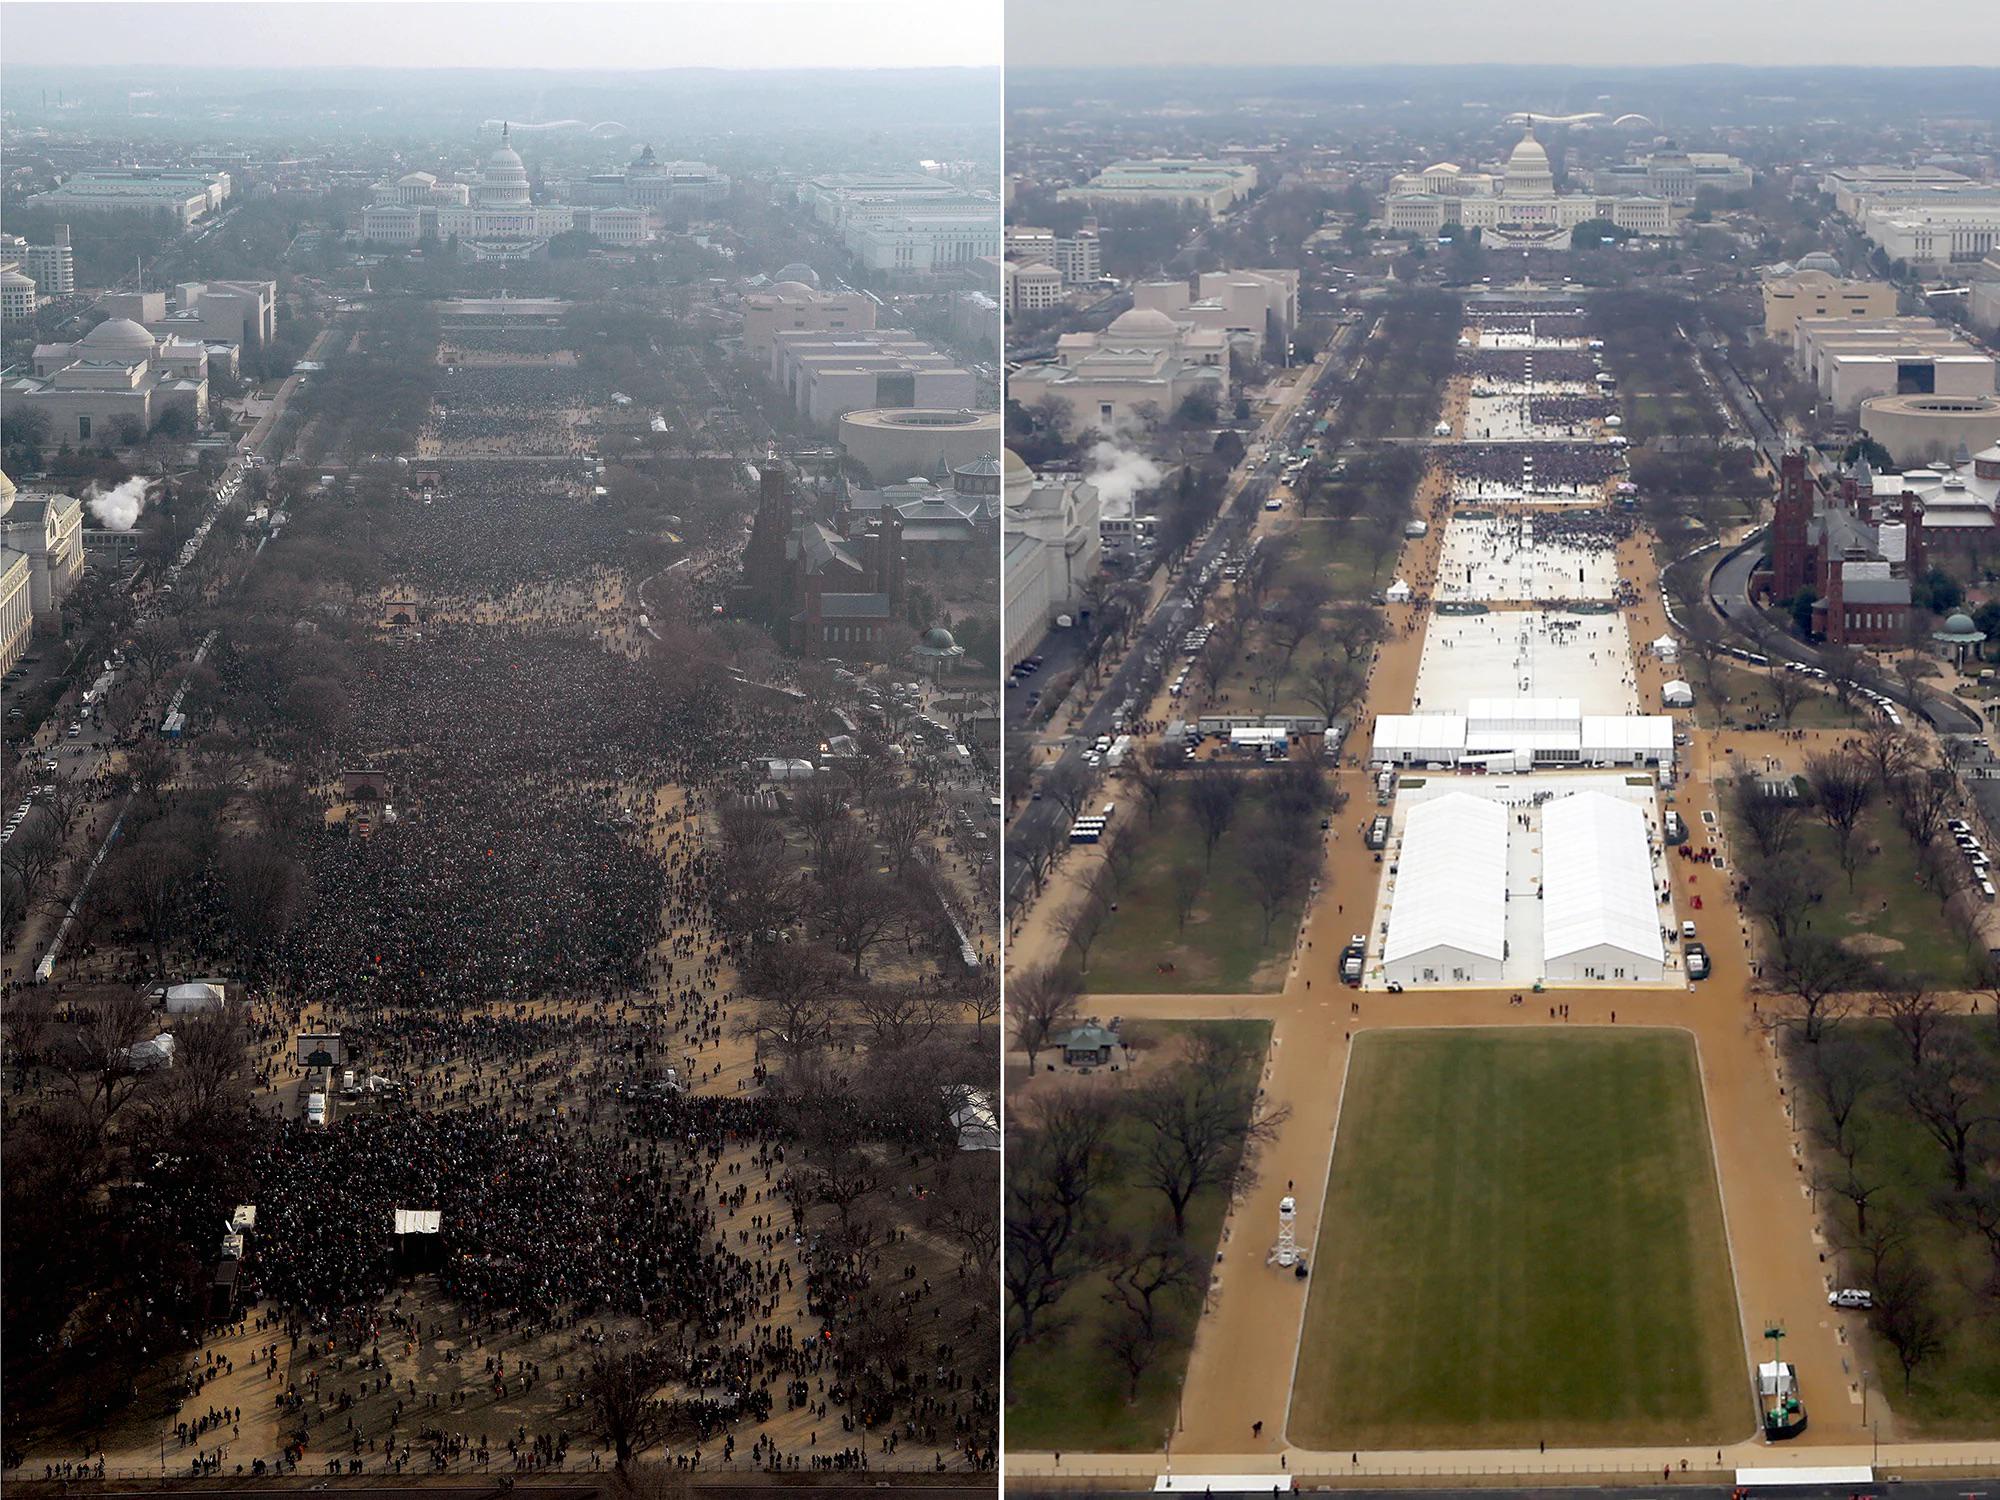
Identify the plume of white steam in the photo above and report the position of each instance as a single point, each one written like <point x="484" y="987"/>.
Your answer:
<point x="118" y="509"/>
<point x="1121" y="473"/>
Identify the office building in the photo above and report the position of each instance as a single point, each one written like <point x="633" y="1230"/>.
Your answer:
<point x="1817" y="294"/>
<point x="187" y="195"/>
<point x="795" y="305"/>
<point x="1851" y="359"/>
<point x="1675" y="175"/>
<point x="1212" y="187"/>
<point x="830" y="374"/>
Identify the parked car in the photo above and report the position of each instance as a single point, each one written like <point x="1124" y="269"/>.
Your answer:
<point x="1851" y="1296"/>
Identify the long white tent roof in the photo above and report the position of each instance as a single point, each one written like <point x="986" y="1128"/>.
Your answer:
<point x="1597" y="878"/>
<point x="1451" y="879"/>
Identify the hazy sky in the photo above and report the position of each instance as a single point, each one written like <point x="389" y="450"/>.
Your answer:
<point x="484" y="34"/>
<point x="1594" y="32"/>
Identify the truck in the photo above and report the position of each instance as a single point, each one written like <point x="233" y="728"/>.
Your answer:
<point x="1353" y="958"/>
<point x="1696" y="956"/>
<point x="316" y="1110"/>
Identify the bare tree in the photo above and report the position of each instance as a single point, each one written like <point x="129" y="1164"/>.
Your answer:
<point x="1906" y="1314"/>
<point x="1331" y="687"/>
<point x="1057" y="1165"/>
<point x="1202" y="1128"/>
<point x="1213" y="795"/>
<point x="1788" y="691"/>
<point x="620" y="1389"/>
<point x="1843" y="785"/>
<point x="1817" y="975"/>
<point x="1043" y="1001"/>
<point x="795" y="994"/>
<point x="1084" y="919"/>
<point x="1922" y="796"/>
<point x="1188" y="879"/>
<point x="1279" y="861"/>
<point x="1915" y="1014"/>
<point x="1771" y="822"/>
<point x="1947" y="1095"/>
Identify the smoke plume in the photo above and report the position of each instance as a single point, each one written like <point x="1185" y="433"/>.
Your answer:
<point x="118" y="509"/>
<point x="1121" y="473"/>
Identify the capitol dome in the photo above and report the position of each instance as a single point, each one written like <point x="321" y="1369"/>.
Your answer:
<point x="801" y="272"/>
<point x="504" y="182"/>
<point x="789" y="288"/>
<point x="118" y="338"/>
<point x="1143" y="322"/>
<point x="1528" y="173"/>
<point x="1819" y="260"/>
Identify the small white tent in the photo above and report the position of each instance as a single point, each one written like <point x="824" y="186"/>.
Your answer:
<point x="1666" y="648"/>
<point x="187" y="999"/>
<point x="1677" y="694"/>
<point x="1397" y="592"/>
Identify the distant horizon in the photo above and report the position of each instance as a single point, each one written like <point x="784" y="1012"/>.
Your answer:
<point x="554" y="36"/>
<point x="1472" y="33"/>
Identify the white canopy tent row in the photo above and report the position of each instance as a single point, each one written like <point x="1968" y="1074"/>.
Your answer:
<point x="1448" y="919"/>
<point x="1600" y="912"/>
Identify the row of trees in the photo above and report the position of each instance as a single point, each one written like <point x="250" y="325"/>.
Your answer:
<point x="1100" y="1187"/>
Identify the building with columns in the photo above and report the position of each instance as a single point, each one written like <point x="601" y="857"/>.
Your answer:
<point x="117" y="370"/>
<point x="1050" y="550"/>
<point x="17" y="615"/>
<point x="494" y="219"/>
<point x="41" y="541"/>
<point x="1138" y="371"/>
<point x="1518" y="206"/>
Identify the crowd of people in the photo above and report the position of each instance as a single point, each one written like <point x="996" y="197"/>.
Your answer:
<point x="1510" y="468"/>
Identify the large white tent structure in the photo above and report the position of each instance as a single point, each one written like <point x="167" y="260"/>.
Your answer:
<point x="1448" y="917"/>
<point x="1600" y="913"/>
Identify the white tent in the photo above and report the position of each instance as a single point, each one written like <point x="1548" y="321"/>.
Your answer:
<point x="186" y="999"/>
<point x="1448" y="917"/>
<point x="1600" y="915"/>
<point x="1666" y="648"/>
<point x="1677" y="694"/>
<point x="1397" y="592"/>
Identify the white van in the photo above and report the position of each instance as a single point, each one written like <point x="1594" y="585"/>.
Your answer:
<point x="316" y="1110"/>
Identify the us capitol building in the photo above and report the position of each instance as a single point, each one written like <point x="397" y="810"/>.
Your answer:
<point x="1516" y="207"/>
<point x="495" y="219"/>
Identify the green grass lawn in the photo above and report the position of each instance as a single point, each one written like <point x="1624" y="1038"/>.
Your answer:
<point x="1750" y="699"/>
<point x="1222" y="950"/>
<point x="1958" y="1393"/>
<point x="1904" y="925"/>
<point x="1320" y="550"/>
<point x="1522" y="1242"/>
<point x="1063" y="1390"/>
